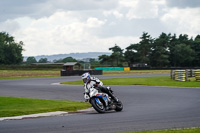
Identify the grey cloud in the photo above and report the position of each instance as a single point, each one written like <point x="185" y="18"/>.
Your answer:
<point x="10" y="9"/>
<point x="84" y="4"/>
<point x="131" y="28"/>
<point x="183" y="3"/>
<point x="9" y="26"/>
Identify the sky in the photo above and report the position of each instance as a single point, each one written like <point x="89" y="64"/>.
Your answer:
<point x="74" y="26"/>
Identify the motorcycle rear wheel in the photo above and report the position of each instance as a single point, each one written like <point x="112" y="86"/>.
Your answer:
<point x="119" y="106"/>
<point x="97" y="107"/>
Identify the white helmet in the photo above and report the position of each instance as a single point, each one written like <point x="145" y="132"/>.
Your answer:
<point x="85" y="77"/>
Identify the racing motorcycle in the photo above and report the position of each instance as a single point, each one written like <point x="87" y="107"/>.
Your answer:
<point x="102" y="103"/>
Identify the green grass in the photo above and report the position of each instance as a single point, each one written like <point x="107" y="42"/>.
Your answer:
<point x="152" y="81"/>
<point x="190" y="130"/>
<point x="21" y="74"/>
<point x="11" y="106"/>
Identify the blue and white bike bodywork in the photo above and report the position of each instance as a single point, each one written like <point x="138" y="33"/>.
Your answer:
<point x="101" y="102"/>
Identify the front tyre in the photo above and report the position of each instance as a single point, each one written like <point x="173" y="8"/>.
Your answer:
<point x="99" y="107"/>
<point x="119" y="106"/>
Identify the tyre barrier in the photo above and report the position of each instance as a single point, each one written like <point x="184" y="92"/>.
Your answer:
<point x="182" y="75"/>
<point x="197" y="75"/>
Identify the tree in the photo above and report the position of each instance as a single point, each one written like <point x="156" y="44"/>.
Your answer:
<point x="93" y="61"/>
<point x="117" y="55"/>
<point x="31" y="60"/>
<point x="131" y="54"/>
<point x="165" y="51"/>
<point x="159" y="56"/>
<point x="182" y="51"/>
<point x="196" y="47"/>
<point x="173" y="41"/>
<point x="184" y="39"/>
<point x="43" y="60"/>
<point x="184" y="55"/>
<point x="144" y="48"/>
<point x="10" y="51"/>
<point x="104" y="59"/>
<point x="115" y="59"/>
<point x="67" y="59"/>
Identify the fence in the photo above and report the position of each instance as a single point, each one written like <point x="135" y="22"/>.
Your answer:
<point x="110" y="68"/>
<point x="113" y="68"/>
<point x="126" y="68"/>
<point x="183" y="75"/>
<point x="163" y="68"/>
<point x="80" y="72"/>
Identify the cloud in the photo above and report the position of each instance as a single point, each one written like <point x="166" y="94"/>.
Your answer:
<point x="183" y="3"/>
<point x="66" y="26"/>
<point x="10" y="9"/>
<point x="9" y="26"/>
<point x="116" y="13"/>
<point x="183" y="21"/>
<point x="83" y="4"/>
<point x="94" y="22"/>
<point x="66" y="32"/>
<point x="141" y="9"/>
<point x="128" y="3"/>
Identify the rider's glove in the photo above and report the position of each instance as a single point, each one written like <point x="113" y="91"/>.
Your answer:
<point x="86" y="97"/>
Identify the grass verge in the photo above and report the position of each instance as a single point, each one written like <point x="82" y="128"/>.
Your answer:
<point x="152" y="81"/>
<point x="12" y="106"/>
<point x="190" y="130"/>
<point x="21" y="74"/>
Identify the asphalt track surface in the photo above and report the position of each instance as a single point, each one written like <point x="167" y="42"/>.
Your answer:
<point x="145" y="107"/>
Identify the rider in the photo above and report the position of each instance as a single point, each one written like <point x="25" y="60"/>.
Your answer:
<point x="95" y="82"/>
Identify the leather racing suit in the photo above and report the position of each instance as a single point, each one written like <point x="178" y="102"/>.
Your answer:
<point x="95" y="82"/>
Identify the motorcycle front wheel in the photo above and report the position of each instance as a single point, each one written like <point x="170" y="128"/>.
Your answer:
<point x="99" y="107"/>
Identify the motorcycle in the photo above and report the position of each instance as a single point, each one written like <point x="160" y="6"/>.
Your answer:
<point x="102" y="103"/>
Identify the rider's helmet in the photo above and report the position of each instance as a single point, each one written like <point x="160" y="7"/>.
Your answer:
<point x="86" y="77"/>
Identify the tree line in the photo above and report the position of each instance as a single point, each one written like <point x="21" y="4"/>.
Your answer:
<point x="167" y="50"/>
<point x="32" y="59"/>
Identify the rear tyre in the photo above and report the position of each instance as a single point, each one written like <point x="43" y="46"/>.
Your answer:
<point x="119" y="106"/>
<point x="98" y="107"/>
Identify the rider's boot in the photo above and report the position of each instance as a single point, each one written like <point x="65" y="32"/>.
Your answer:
<point x="112" y="96"/>
<point x="109" y="92"/>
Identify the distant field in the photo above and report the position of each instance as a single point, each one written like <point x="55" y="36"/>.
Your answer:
<point x="17" y="74"/>
<point x="133" y="72"/>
